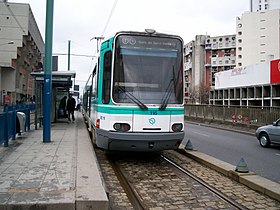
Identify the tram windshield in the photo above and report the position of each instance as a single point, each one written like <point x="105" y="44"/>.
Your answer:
<point x="148" y="69"/>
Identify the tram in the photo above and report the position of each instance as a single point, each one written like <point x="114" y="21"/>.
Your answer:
<point x="133" y="99"/>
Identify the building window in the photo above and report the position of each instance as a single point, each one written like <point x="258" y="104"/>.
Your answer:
<point x="239" y="32"/>
<point x="239" y="64"/>
<point x="239" y="40"/>
<point x="266" y="6"/>
<point x="239" y="56"/>
<point x="240" y="48"/>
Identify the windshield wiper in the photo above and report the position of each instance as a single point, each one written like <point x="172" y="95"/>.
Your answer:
<point x="168" y="91"/>
<point x="134" y="99"/>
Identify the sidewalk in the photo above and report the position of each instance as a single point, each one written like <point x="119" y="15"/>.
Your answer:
<point x="62" y="174"/>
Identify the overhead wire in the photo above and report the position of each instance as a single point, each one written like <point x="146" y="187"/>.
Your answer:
<point x="109" y="18"/>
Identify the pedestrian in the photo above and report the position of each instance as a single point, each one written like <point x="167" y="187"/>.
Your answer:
<point x="62" y="107"/>
<point x="71" y="103"/>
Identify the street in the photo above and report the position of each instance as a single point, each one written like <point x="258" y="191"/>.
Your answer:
<point x="231" y="146"/>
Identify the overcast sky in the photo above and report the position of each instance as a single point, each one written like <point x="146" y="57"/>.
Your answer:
<point x="80" y="20"/>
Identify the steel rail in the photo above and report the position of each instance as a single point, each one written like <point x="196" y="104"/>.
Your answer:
<point x="132" y="195"/>
<point x="200" y="181"/>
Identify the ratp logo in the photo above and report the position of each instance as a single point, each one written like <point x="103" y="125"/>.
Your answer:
<point x="152" y="121"/>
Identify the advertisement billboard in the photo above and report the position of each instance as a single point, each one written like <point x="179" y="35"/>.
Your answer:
<point x="243" y="76"/>
<point x="275" y="71"/>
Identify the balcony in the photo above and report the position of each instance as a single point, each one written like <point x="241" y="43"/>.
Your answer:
<point x="208" y="46"/>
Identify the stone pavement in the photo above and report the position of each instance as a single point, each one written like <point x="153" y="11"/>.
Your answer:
<point x="251" y="180"/>
<point x="62" y="174"/>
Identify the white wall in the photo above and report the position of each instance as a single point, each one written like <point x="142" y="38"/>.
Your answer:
<point x="11" y="30"/>
<point x="257" y="37"/>
<point x="272" y="4"/>
<point x="242" y="77"/>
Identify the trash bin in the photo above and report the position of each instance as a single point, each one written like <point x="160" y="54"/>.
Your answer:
<point x="21" y="119"/>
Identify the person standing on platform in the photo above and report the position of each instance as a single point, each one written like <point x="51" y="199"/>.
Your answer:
<point x="71" y="104"/>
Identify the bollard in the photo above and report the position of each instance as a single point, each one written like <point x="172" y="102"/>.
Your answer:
<point x="242" y="166"/>
<point x="189" y="145"/>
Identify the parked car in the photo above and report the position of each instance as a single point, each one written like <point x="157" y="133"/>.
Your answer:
<point x="269" y="134"/>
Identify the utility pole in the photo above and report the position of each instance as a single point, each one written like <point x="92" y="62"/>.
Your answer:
<point x="69" y="45"/>
<point x="97" y="41"/>
<point x="48" y="73"/>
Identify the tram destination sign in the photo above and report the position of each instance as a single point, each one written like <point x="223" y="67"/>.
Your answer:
<point x="149" y="42"/>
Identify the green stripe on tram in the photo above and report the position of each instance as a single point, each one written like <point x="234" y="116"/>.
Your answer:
<point x="138" y="111"/>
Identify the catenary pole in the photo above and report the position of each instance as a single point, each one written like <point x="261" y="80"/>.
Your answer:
<point x="69" y="46"/>
<point x="48" y="73"/>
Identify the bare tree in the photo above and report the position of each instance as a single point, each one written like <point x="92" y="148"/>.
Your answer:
<point x="199" y="94"/>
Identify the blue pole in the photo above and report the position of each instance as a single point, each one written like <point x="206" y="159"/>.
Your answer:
<point x="48" y="73"/>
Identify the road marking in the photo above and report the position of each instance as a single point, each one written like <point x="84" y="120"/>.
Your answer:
<point x="277" y="154"/>
<point x="201" y="134"/>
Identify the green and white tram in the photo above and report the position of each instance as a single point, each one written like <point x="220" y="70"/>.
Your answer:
<point x="133" y="100"/>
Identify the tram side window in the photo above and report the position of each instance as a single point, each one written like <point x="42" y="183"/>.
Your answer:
<point x="107" y="77"/>
<point x="94" y="85"/>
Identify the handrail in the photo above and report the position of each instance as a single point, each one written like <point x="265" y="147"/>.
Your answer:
<point x="9" y="121"/>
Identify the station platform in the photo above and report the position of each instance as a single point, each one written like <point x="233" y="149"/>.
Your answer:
<point x="62" y="174"/>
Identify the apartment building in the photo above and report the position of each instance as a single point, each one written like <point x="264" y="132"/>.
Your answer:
<point x="205" y="56"/>
<point x="263" y="5"/>
<point x="256" y="43"/>
<point x="21" y="48"/>
<point x="256" y="79"/>
<point x="258" y="31"/>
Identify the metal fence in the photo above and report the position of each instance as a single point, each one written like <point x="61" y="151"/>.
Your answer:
<point x="8" y="121"/>
<point x="246" y="115"/>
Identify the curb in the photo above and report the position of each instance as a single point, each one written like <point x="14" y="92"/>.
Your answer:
<point x="251" y="180"/>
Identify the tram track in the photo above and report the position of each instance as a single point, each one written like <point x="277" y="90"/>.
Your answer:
<point x="132" y="194"/>
<point x="209" y="187"/>
<point x="159" y="182"/>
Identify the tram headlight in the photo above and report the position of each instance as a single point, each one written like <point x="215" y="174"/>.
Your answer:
<point x="123" y="127"/>
<point x="177" y="127"/>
